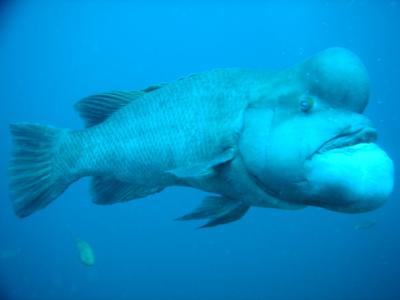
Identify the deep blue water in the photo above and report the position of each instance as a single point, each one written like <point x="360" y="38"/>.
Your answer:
<point x="54" y="53"/>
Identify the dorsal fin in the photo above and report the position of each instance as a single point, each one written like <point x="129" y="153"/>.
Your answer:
<point x="97" y="108"/>
<point x="154" y="87"/>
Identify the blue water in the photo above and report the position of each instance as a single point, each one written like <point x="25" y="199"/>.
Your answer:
<point x="53" y="53"/>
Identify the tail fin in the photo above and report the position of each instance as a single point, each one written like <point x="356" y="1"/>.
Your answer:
<point x="35" y="179"/>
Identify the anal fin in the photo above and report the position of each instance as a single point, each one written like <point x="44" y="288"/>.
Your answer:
<point x="219" y="210"/>
<point x="107" y="190"/>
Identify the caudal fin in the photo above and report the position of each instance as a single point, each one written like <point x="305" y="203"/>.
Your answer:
<point x="35" y="176"/>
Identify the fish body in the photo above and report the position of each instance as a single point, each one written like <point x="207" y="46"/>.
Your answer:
<point x="177" y="127"/>
<point x="252" y="138"/>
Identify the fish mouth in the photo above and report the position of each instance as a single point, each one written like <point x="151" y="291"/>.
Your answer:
<point x="364" y="135"/>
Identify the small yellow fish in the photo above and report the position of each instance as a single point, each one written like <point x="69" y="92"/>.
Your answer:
<point x="86" y="254"/>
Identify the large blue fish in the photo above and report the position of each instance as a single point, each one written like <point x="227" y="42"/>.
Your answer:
<point x="286" y="139"/>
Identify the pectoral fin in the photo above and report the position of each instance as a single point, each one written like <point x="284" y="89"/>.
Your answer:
<point x="219" y="210"/>
<point x="203" y="169"/>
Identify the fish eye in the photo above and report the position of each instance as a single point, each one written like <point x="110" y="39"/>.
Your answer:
<point x="306" y="104"/>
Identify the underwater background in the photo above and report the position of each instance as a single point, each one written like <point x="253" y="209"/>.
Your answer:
<point x="53" y="53"/>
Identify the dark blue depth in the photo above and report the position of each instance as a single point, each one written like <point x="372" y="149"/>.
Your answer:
<point x="53" y="53"/>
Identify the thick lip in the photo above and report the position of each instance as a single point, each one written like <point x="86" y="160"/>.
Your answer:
<point x="363" y="135"/>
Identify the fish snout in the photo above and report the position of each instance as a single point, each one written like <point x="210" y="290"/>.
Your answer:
<point x="352" y="179"/>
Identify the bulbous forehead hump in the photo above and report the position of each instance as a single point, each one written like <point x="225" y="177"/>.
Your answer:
<point x="338" y="77"/>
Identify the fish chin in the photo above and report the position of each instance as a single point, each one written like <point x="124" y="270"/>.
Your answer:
<point x="351" y="179"/>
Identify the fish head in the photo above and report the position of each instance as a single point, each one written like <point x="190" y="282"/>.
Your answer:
<point x="309" y="143"/>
